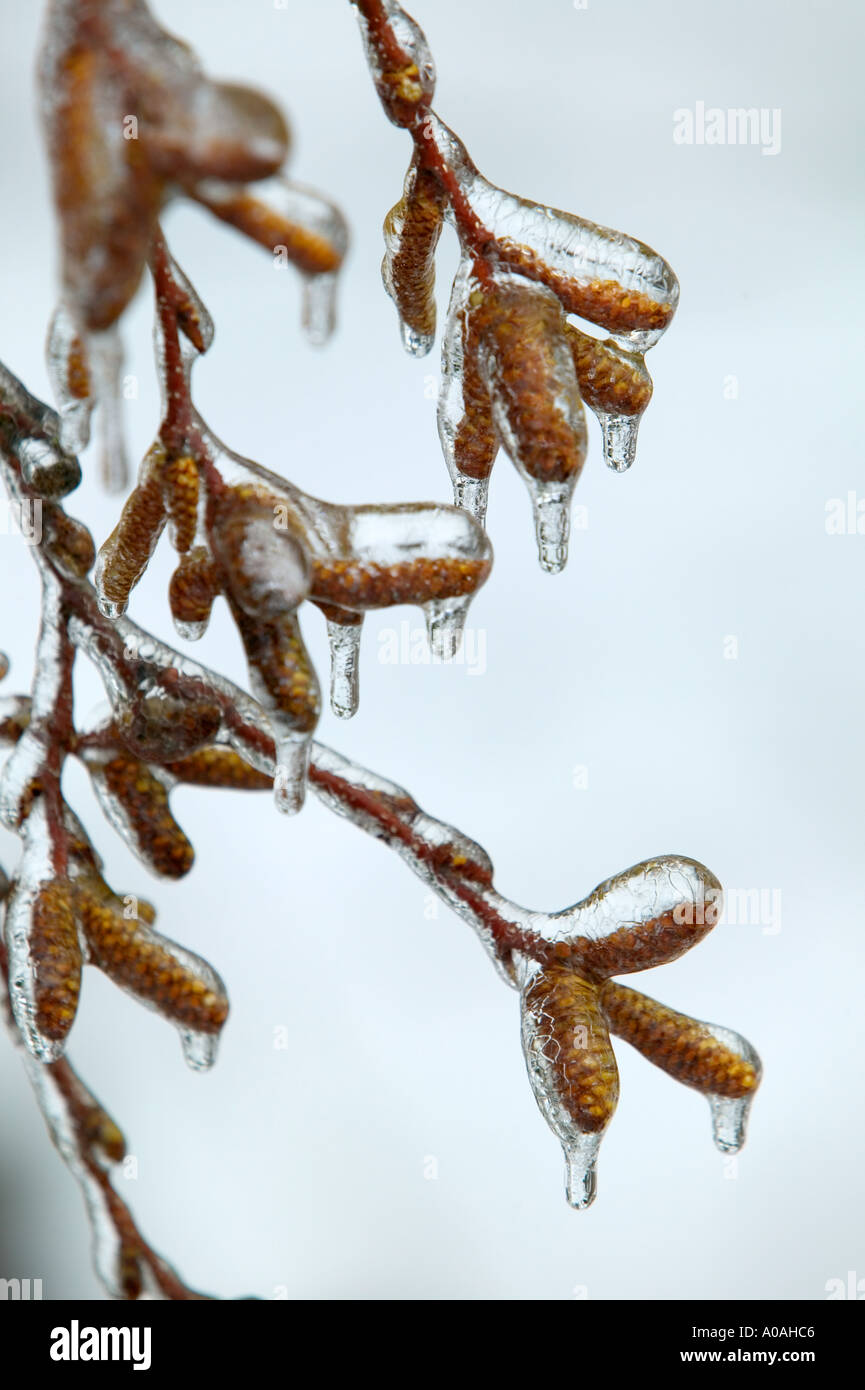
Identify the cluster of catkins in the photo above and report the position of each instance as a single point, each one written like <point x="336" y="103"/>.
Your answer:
<point x="132" y="121"/>
<point x="515" y="371"/>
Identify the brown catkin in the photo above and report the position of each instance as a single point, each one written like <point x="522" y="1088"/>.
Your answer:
<point x="220" y="767"/>
<point x="276" y="654"/>
<point x="412" y="229"/>
<point x="125" y="555"/>
<point x="138" y="960"/>
<point x="180" y="495"/>
<point x="527" y="367"/>
<point x="610" y="380"/>
<point x="360" y="584"/>
<point x="603" y="302"/>
<point x="144" y="800"/>
<point x="576" y="1044"/>
<point x="681" y="1046"/>
<point x="55" y="948"/>
<point x="475" y="440"/>
<point x="193" y="587"/>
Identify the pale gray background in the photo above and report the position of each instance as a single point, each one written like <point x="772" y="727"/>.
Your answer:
<point x="304" y="1169"/>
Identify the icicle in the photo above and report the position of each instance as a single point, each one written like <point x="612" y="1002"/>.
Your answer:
<point x="199" y="1049"/>
<point x="551" y="505"/>
<point x="472" y="495"/>
<point x="318" y="315"/>
<point x="729" y="1121"/>
<point x="581" y="1178"/>
<point x="344" y="639"/>
<point x="106" y="356"/>
<point x="292" y="769"/>
<point x="445" y="619"/>
<point x="730" y="1113"/>
<point x="620" y="439"/>
<point x="67" y="372"/>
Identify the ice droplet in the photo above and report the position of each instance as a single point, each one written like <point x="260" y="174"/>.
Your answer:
<point x="318" y="314"/>
<point x="191" y="631"/>
<point x="620" y="439"/>
<point x="730" y="1121"/>
<point x="106" y="359"/>
<point x="111" y="608"/>
<point x="292" y="767"/>
<point x="344" y="639"/>
<point x="551" y="505"/>
<point x="415" y="344"/>
<point x="199" y="1049"/>
<point x="445" y="619"/>
<point x="581" y="1177"/>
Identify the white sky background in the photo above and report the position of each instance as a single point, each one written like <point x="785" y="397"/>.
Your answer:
<point x="303" y="1169"/>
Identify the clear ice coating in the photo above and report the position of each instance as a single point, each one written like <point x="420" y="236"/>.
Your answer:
<point x="33" y="876"/>
<point x="402" y="86"/>
<point x="344" y="641"/>
<point x="31" y="432"/>
<point x="140" y="676"/>
<point x="601" y="274"/>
